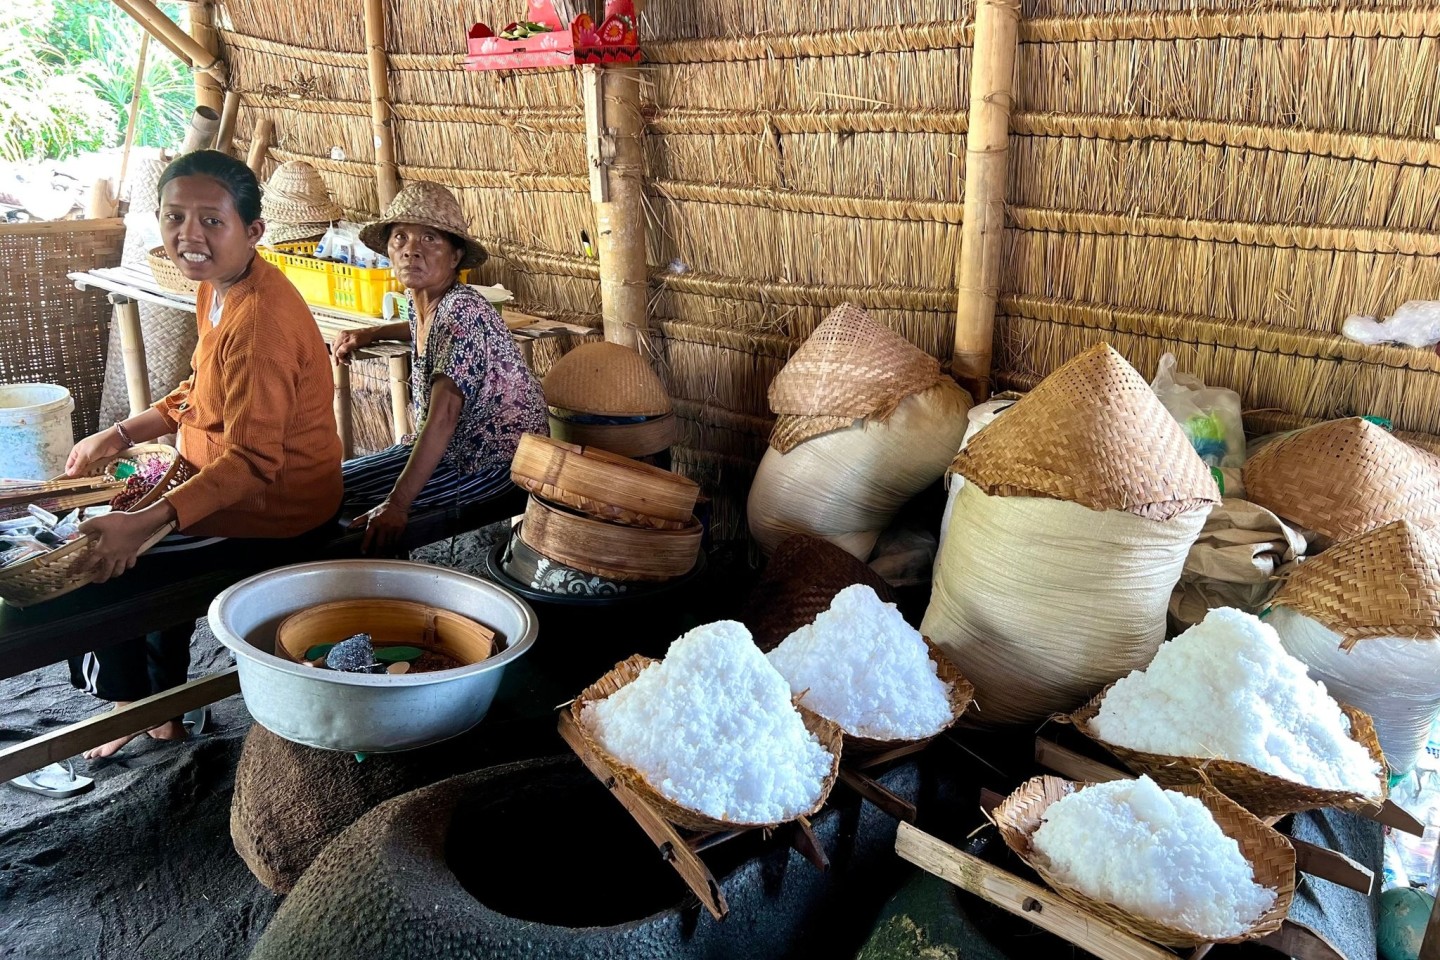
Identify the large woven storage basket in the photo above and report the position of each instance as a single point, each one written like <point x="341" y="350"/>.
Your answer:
<point x="625" y="672"/>
<point x="604" y="485"/>
<point x="1263" y="794"/>
<point x="66" y="569"/>
<point x="1270" y="855"/>
<point x="609" y="550"/>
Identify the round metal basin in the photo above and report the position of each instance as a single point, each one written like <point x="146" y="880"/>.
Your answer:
<point x="365" y="713"/>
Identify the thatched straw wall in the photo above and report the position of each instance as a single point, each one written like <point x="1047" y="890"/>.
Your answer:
<point x="1227" y="179"/>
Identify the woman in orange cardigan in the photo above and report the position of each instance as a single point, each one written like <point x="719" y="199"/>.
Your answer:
<point x="255" y="418"/>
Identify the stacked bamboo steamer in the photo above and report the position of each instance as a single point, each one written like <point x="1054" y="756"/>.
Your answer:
<point x="603" y="395"/>
<point x="599" y="524"/>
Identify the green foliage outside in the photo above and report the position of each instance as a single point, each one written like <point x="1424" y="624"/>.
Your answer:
<point x="67" y="69"/>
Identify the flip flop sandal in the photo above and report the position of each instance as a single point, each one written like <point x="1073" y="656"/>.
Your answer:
<point x="58" y="780"/>
<point x="197" y="721"/>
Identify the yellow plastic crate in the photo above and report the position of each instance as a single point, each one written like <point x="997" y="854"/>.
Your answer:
<point x="326" y="283"/>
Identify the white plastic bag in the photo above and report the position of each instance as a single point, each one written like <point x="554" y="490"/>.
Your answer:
<point x="1210" y="415"/>
<point x="1415" y="324"/>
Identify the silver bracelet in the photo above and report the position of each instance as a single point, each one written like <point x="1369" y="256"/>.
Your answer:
<point x="124" y="437"/>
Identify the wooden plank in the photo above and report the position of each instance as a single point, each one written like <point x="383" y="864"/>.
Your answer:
<point x="1299" y="942"/>
<point x="42" y="227"/>
<point x="1392" y="815"/>
<point x="872" y="790"/>
<point x="880" y="759"/>
<point x="803" y="839"/>
<point x="1026" y="900"/>
<point x="661" y="832"/>
<point x="1071" y="765"/>
<point x="136" y="718"/>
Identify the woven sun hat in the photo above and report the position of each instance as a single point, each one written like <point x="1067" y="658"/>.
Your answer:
<point x="430" y="205"/>
<point x="606" y="379"/>
<point x="297" y="196"/>
<point x="851" y="368"/>
<point x="1092" y="433"/>
<point x="277" y="232"/>
<point x="1343" y="478"/>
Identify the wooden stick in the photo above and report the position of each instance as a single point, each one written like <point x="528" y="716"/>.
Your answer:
<point x="259" y="146"/>
<point x="168" y="32"/>
<point x="1299" y="942"/>
<point x="615" y="136"/>
<point x="134" y="108"/>
<point x="229" y="113"/>
<point x="136" y="718"/>
<point x="872" y="790"/>
<point x="1072" y="765"/>
<point x="803" y="839"/>
<point x="204" y="123"/>
<point x="344" y="417"/>
<point x="200" y="23"/>
<point x="132" y="351"/>
<point x="400" y="395"/>
<point x="1392" y="815"/>
<point x="982" y="232"/>
<point x="1025" y="900"/>
<point x="387" y="174"/>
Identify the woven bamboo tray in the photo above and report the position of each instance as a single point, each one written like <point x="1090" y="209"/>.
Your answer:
<point x="389" y="623"/>
<point x="167" y="275"/>
<point x="608" y="550"/>
<point x="962" y="694"/>
<point x="1263" y="794"/>
<point x="624" y="673"/>
<point x="604" y="485"/>
<point x="627" y="439"/>
<point x="66" y="569"/>
<point x="1270" y="856"/>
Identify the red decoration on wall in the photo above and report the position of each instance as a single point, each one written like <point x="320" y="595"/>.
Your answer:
<point x="615" y="39"/>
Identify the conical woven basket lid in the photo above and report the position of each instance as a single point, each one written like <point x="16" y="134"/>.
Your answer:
<point x="1343" y="478"/>
<point x="606" y="379"/>
<point x="850" y="368"/>
<point x="1092" y="433"/>
<point x="1384" y="583"/>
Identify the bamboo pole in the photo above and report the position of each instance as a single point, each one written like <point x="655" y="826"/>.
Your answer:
<point x="259" y="146"/>
<point x="615" y="127"/>
<point x="229" y="113"/>
<point x="203" y="124"/>
<point x="201" y="16"/>
<point x="997" y="31"/>
<point x="134" y="109"/>
<point x="168" y="32"/>
<point x="387" y="175"/>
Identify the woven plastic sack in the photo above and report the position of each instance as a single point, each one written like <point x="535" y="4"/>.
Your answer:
<point x="1210" y="416"/>
<point x="847" y="485"/>
<point x="1041" y="603"/>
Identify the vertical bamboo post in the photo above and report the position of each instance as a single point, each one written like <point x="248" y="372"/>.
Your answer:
<point x="259" y="146"/>
<point x="208" y="91"/>
<point x="132" y="352"/>
<point x="134" y="109"/>
<point x="615" y="131"/>
<point x="387" y="176"/>
<point x="400" y="395"/>
<point x="987" y="146"/>
<point x="344" y="415"/>
<point x="204" y="122"/>
<point x="229" y="113"/>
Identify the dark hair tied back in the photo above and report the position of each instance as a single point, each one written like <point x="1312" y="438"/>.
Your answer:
<point x="232" y="174"/>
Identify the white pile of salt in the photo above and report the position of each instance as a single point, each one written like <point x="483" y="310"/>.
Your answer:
<point x="861" y="665"/>
<point x="1227" y="688"/>
<point x="1154" y="852"/>
<point x="712" y="728"/>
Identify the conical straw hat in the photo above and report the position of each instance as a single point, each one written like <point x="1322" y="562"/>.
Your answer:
<point x="1092" y="433"/>
<point x="296" y="194"/>
<point x="850" y="368"/>
<point x="1342" y="478"/>
<point x="606" y="379"/>
<point x="1385" y="583"/>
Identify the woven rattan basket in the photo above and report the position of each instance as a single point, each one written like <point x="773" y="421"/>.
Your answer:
<point x="390" y="623"/>
<point x="1385" y="583"/>
<point x="1263" y="794"/>
<point x="1343" y="478"/>
<point x="1092" y="433"/>
<point x="604" y="485"/>
<point x="606" y="379"/>
<point x="962" y="694"/>
<point x="60" y="571"/>
<point x="608" y="550"/>
<point x="626" y="439"/>
<point x="1269" y="854"/>
<point x="167" y="274"/>
<point x="800" y="582"/>
<point x="625" y="672"/>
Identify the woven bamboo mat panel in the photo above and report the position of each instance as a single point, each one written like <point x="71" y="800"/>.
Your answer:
<point x="52" y="332"/>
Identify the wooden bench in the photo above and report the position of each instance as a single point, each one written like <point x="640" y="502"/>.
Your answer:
<point x="164" y="591"/>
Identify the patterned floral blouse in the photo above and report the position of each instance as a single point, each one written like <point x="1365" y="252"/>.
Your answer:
<point x="468" y="342"/>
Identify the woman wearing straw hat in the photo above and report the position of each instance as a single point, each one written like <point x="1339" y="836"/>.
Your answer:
<point x="473" y="394"/>
<point x="296" y="204"/>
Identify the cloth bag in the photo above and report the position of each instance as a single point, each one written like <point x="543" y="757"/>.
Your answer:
<point x="1236" y="562"/>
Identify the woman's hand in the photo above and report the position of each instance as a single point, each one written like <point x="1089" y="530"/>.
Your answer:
<point x="119" y="537"/>
<point x="384" y="526"/>
<point x="351" y="340"/>
<point x="95" y="447"/>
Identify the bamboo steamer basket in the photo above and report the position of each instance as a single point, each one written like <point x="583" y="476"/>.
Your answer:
<point x="608" y="550"/>
<point x="625" y="672"/>
<point x="1263" y="794"/>
<point x="604" y="485"/>
<point x="167" y="275"/>
<point x="641" y="439"/>
<point x="962" y="694"/>
<point x="65" y="569"/>
<point x="390" y="623"/>
<point x="1270" y="855"/>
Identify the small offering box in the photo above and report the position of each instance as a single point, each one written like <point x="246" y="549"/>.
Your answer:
<point x="615" y="39"/>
